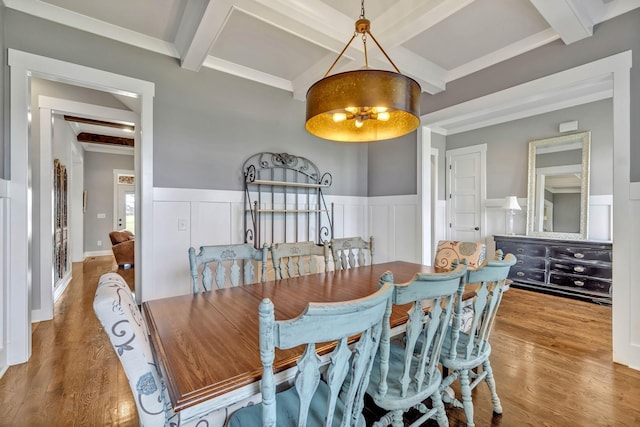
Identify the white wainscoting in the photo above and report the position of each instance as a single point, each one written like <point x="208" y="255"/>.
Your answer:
<point x="188" y="217"/>
<point x="212" y="217"/>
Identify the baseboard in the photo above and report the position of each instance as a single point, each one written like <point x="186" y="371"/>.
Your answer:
<point x="97" y="253"/>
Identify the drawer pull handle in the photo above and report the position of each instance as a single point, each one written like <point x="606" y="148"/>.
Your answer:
<point x="520" y="249"/>
<point x="520" y="262"/>
<point x="578" y="255"/>
<point x="579" y="269"/>
<point x="578" y="282"/>
<point x="520" y="274"/>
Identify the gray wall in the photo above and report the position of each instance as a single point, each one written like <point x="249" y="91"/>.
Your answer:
<point x="393" y="166"/>
<point x="611" y="37"/>
<point x="508" y="147"/>
<point x="4" y="89"/>
<point x="98" y="182"/>
<point x="206" y="124"/>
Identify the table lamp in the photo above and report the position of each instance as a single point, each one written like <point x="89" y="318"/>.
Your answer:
<point x="511" y="205"/>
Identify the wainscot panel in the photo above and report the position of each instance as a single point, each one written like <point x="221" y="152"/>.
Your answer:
<point x="192" y="217"/>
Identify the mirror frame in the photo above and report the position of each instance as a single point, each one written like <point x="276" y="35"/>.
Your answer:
<point x="585" y="138"/>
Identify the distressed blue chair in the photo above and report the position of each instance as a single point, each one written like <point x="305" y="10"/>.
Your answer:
<point x="122" y="321"/>
<point x="404" y="375"/>
<point x="351" y="252"/>
<point x="227" y="261"/>
<point x="298" y="258"/>
<point x="313" y="399"/>
<point x="463" y="353"/>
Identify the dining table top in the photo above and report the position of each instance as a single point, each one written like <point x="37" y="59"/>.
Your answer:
<point x="207" y="343"/>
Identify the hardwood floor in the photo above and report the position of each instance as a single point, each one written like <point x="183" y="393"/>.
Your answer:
<point x="551" y="359"/>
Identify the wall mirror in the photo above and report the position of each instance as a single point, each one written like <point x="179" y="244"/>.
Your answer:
<point x="558" y="188"/>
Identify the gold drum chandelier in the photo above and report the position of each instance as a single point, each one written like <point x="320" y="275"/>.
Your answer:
<point x="363" y="105"/>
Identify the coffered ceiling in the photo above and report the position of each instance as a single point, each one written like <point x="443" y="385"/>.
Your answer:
<point x="290" y="44"/>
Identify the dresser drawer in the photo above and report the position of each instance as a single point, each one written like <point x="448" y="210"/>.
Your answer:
<point x="520" y="274"/>
<point x="581" y="282"/>
<point x="530" y="262"/>
<point x="587" y="254"/>
<point x="530" y="250"/>
<point x="594" y="269"/>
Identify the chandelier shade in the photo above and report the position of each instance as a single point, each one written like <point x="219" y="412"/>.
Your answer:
<point x="363" y="105"/>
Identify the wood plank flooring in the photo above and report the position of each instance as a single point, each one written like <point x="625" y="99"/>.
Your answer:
<point x="551" y="359"/>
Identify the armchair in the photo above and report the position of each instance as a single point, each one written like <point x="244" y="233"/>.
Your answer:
<point x="123" y="246"/>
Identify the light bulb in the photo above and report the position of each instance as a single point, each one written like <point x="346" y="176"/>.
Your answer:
<point x="383" y="116"/>
<point x="339" y="117"/>
<point x="379" y="109"/>
<point x="359" y="123"/>
<point x="352" y="110"/>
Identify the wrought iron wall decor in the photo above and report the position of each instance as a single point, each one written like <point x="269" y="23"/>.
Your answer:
<point x="61" y="220"/>
<point x="284" y="200"/>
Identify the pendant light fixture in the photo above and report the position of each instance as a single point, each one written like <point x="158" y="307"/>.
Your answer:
<point x="363" y="105"/>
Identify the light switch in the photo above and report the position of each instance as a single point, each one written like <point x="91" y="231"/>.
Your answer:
<point x="182" y="224"/>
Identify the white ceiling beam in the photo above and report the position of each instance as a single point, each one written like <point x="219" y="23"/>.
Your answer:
<point x="408" y="18"/>
<point x="514" y="49"/>
<point x="94" y="26"/>
<point x="568" y="18"/>
<point x="201" y="23"/>
<point x="247" y="73"/>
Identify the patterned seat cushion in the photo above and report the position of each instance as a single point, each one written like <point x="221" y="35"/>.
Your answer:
<point x="449" y="251"/>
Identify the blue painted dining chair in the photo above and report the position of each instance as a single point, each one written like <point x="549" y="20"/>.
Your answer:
<point x="349" y="252"/>
<point x="295" y="259"/>
<point x="122" y="321"/>
<point x="315" y="397"/>
<point x="466" y="350"/>
<point x="405" y="375"/>
<point x="227" y="262"/>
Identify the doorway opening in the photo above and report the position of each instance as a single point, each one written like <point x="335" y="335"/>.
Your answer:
<point x="24" y="66"/>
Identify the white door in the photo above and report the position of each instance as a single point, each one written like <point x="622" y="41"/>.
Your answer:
<point x="125" y="208"/>
<point x="466" y="193"/>
<point x="124" y="200"/>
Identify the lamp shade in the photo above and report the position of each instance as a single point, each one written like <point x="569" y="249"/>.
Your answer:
<point x="356" y="96"/>
<point x="511" y="202"/>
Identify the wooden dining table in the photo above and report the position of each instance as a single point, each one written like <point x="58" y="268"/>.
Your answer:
<point x="207" y="344"/>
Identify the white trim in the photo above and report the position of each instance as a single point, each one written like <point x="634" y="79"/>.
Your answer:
<point x="90" y="254"/>
<point x="585" y="83"/>
<point x="624" y="301"/>
<point x="424" y="194"/>
<point x="614" y="68"/>
<point x="47" y="281"/>
<point x="18" y="304"/>
<point x="407" y="199"/>
<point x="22" y="66"/>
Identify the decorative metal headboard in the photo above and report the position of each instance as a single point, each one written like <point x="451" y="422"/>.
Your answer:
<point x="284" y="200"/>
